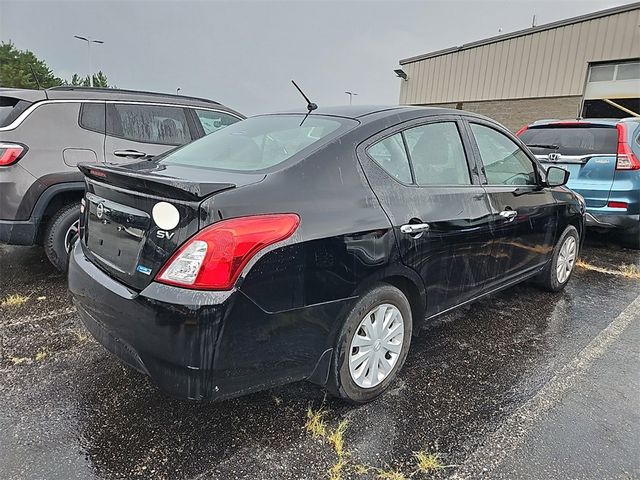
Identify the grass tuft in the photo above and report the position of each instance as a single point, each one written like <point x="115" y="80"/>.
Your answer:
<point x="335" y="472"/>
<point x="361" y="469"/>
<point x="383" y="474"/>
<point x="336" y="438"/>
<point x="627" y="271"/>
<point x="19" y="360"/>
<point x="316" y="424"/>
<point x="427" y="462"/>
<point x="630" y="271"/>
<point x="14" y="300"/>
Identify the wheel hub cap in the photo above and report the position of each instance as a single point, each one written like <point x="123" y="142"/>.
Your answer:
<point x="566" y="259"/>
<point x="376" y="346"/>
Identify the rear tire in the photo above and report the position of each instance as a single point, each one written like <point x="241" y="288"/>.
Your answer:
<point x="558" y="271"/>
<point x="355" y="382"/>
<point x="59" y="235"/>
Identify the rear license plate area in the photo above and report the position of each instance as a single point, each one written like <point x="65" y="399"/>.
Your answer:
<point x="115" y="232"/>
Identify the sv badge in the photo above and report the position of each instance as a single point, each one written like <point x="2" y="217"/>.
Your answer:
<point x="165" y="234"/>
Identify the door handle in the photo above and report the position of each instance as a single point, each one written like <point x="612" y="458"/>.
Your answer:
<point x="508" y="215"/>
<point x="129" y="153"/>
<point x="413" y="228"/>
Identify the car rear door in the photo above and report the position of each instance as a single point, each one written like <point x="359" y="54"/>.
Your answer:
<point x="524" y="212"/>
<point x="136" y="130"/>
<point x="428" y="185"/>
<point x="586" y="150"/>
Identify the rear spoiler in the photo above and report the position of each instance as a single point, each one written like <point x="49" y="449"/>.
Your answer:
<point x="152" y="183"/>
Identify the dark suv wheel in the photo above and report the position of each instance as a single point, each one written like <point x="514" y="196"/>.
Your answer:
<point x="61" y="232"/>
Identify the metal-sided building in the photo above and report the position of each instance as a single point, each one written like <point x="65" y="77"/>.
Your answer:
<point x="585" y="66"/>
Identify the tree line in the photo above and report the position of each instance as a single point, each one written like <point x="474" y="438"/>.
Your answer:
<point x="19" y="69"/>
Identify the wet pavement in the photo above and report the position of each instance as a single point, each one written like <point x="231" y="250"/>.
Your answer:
<point x="72" y="411"/>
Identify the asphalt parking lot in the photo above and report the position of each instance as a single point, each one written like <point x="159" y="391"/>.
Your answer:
<point x="525" y="384"/>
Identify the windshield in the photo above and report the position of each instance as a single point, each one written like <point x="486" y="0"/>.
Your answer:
<point x="587" y="140"/>
<point x="257" y="143"/>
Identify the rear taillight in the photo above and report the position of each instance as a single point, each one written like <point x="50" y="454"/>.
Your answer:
<point x="613" y="204"/>
<point x="10" y="153"/>
<point x="214" y="258"/>
<point x="522" y="130"/>
<point x="625" y="158"/>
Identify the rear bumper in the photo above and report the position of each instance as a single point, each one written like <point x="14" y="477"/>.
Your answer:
<point x="201" y="345"/>
<point x="17" y="232"/>
<point x="610" y="220"/>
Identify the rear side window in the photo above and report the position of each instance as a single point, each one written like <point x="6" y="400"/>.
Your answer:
<point x="588" y="140"/>
<point x="257" y="143"/>
<point x="148" y="123"/>
<point x="391" y="155"/>
<point x="92" y="117"/>
<point x="505" y="163"/>
<point x="212" y="120"/>
<point x="10" y="109"/>
<point x="437" y="154"/>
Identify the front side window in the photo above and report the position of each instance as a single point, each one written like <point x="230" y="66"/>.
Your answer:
<point x="391" y="155"/>
<point x="437" y="154"/>
<point x="505" y="163"/>
<point x="212" y="121"/>
<point x="257" y="143"/>
<point x="148" y="123"/>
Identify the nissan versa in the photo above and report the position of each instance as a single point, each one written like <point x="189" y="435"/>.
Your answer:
<point x="308" y="246"/>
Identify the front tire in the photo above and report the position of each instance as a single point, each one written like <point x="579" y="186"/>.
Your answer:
<point x="372" y="345"/>
<point x="558" y="271"/>
<point x="60" y="234"/>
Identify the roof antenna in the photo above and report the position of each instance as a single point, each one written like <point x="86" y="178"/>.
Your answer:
<point x="35" y="77"/>
<point x="310" y="105"/>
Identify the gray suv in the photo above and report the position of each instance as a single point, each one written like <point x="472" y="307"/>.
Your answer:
<point x="45" y="134"/>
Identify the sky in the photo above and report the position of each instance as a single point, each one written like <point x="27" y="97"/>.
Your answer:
<point x="245" y="53"/>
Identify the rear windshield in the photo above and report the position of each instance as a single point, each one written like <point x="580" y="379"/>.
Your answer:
<point x="257" y="143"/>
<point x="588" y="140"/>
<point x="10" y="108"/>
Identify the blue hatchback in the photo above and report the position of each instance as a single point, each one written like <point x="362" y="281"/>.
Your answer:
<point x="602" y="156"/>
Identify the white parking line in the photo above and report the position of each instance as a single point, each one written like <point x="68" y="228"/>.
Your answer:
<point x="516" y="427"/>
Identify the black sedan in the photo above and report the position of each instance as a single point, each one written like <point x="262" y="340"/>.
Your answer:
<point x="291" y="246"/>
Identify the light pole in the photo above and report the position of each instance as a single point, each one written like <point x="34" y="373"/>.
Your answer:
<point x="351" y="95"/>
<point x="89" y="42"/>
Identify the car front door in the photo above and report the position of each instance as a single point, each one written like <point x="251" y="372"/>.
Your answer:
<point x="137" y="130"/>
<point x="427" y="183"/>
<point x="524" y="212"/>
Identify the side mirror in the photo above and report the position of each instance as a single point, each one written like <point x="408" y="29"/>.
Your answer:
<point x="557" y="177"/>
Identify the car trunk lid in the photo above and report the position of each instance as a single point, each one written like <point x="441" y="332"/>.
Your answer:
<point x="136" y="215"/>
<point x="586" y="150"/>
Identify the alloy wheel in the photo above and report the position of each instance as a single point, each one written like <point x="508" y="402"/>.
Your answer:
<point x="376" y="346"/>
<point x="71" y="235"/>
<point x="566" y="259"/>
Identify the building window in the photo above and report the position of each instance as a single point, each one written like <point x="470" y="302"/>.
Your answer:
<point x="601" y="73"/>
